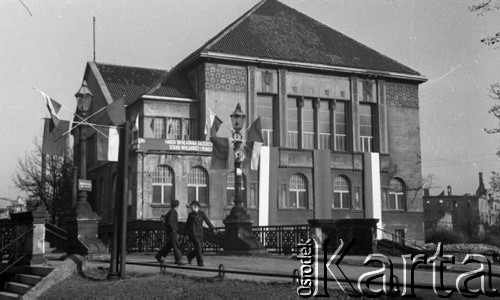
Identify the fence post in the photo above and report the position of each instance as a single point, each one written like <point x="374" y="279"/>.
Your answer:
<point x="32" y="222"/>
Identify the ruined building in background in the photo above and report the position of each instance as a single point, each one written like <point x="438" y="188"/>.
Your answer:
<point x="340" y="123"/>
<point x="468" y="214"/>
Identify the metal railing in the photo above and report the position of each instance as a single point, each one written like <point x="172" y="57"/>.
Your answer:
<point x="14" y="251"/>
<point x="281" y="239"/>
<point x="400" y="243"/>
<point x="149" y="236"/>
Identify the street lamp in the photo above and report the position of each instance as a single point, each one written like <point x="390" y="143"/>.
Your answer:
<point x="238" y="120"/>
<point x="84" y="99"/>
<point x="82" y="224"/>
<point x="238" y="238"/>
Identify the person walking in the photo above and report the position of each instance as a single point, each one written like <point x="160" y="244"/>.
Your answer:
<point x="194" y="229"/>
<point x="170" y="221"/>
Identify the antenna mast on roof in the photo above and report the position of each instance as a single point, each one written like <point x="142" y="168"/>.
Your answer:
<point x="93" y="35"/>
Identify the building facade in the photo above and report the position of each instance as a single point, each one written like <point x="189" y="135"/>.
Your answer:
<point x="470" y="214"/>
<point x="340" y="123"/>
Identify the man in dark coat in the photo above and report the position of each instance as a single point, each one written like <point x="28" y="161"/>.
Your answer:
<point x="194" y="229"/>
<point x="171" y="228"/>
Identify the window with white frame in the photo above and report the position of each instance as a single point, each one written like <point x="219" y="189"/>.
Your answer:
<point x="341" y="193"/>
<point x="324" y="124"/>
<point x="292" y="119"/>
<point x="397" y="195"/>
<point x="198" y="185"/>
<point x="169" y="128"/>
<point x="366" y="127"/>
<point x="297" y="194"/>
<point x="163" y="185"/>
<point x="265" y="109"/>
<point x="308" y="124"/>
<point x="340" y="126"/>
<point x="230" y="192"/>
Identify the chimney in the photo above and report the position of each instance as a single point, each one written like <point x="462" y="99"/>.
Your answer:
<point x="449" y="190"/>
<point x="481" y="190"/>
<point x="426" y="193"/>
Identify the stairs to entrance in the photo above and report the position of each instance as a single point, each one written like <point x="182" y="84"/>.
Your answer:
<point x="24" y="281"/>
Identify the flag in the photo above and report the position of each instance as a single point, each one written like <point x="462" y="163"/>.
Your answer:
<point x="254" y="162"/>
<point x="53" y="106"/>
<point x="220" y="153"/>
<point x="116" y="112"/>
<point x="136" y="123"/>
<point x="255" y="142"/>
<point x="55" y="140"/>
<point x="215" y="126"/>
<point x="212" y="123"/>
<point x="255" y="132"/>
<point x="107" y="146"/>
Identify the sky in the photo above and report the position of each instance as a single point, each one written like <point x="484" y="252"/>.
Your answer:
<point x="48" y="46"/>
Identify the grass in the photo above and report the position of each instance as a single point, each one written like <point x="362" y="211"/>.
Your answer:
<point x="94" y="285"/>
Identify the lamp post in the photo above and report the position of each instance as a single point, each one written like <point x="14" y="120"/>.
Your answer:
<point x="238" y="120"/>
<point x="238" y="237"/>
<point x="82" y="224"/>
<point x="84" y="99"/>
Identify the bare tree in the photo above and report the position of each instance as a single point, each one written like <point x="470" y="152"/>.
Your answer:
<point x="482" y="7"/>
<point x="47" y="178"/>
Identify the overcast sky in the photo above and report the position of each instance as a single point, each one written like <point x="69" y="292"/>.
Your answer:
<point x="440" y="39"/>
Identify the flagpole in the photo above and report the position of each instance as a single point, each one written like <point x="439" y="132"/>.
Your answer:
<point x="123" y="239"/>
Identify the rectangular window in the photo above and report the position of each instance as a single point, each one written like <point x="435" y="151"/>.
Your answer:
<point x="308" y="124"/>
<point x="253" y="200"/>
<point x="265" y="109"/>
<point x="159" y="128"/>
<point x="385" y="191"/>
<point x="366" y="127"/>
<point x="399" y="235"/>
<point x="357" y="200"/>
<point x="292" y="119"/>
<point x="340" y="126"/>
<point x="282" y="196"/>
<point x="188" y="129"/>
<point x="174" y="129"/>
<point x="157" y="193"/>
<point x="324" y="125"/>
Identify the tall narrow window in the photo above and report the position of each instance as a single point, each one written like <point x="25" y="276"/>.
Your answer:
<point x="308" y="124"/>
<point x="397" y="197"/>
<point x="159" y="128"/>
<point x="253" y="197"/>
<point x="265" y="109"/>
<point x="324" y="125"/>
<point x="340" y="126"/>
<point x="174" y="129"/>
<point x="230" y="192"/>
<point x="188" y="129"/>
<point x="341" y="193"/>
<point x="163" y="185"/>
<point x="198" y="185"/>
<point x="298" y="192"/>
<point x="366" y="127"/>
<point x="292" y="119"/>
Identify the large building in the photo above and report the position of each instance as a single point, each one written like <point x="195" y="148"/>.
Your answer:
<point x="340" y="123"/>
<point x="469" y="214"/>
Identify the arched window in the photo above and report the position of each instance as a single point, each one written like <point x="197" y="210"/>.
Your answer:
<point x="341" y="193"/>
<point x="297" y="192"/>
<point x="163" y="185"/>
<point x="198" y="185"/>
<point x="397" y="195"/>
<point x="230" y="189"/>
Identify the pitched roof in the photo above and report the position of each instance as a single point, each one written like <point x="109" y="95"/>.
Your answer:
<point x="272" y="30"/>
<point x="133" y="82"/>
<point x="172" y="84"/>
<point x="128" y="82"/>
